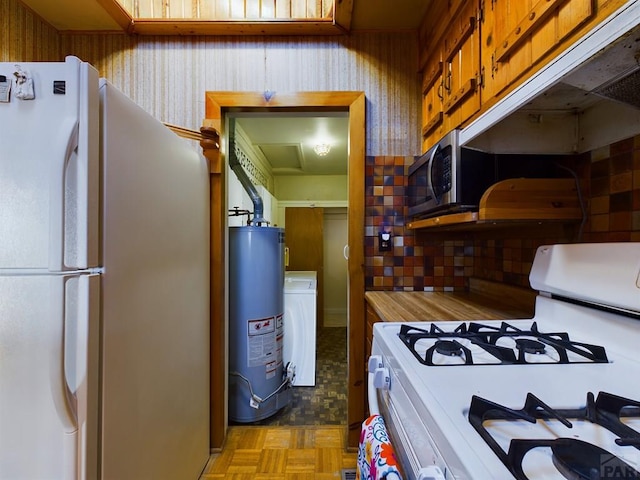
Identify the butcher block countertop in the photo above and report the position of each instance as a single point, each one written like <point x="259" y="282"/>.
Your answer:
<point x="485" y="300"/>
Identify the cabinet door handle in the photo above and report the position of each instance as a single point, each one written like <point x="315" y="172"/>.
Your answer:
<point x="447" y="82"/>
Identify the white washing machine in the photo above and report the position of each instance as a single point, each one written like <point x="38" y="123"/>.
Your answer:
<point x="300" y="296"/>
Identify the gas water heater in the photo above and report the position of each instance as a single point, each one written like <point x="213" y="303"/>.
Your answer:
<point x="259" y="382"/>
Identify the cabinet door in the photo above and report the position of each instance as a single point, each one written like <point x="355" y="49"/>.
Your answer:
<point x="461" y="68"/>
<point x="371" y="318"/>
<point x="432" y="99"/>
<point x="518" y="34"/>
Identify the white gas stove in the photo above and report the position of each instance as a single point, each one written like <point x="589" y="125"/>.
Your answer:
<point x="553" y="397"/>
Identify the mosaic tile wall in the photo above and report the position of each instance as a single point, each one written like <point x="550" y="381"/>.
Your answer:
<point x="610" y="182"/>
<point x="614" y="178"/>
<point x="414" y="263"/>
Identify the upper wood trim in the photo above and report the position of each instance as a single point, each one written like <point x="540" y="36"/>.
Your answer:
<point x="119" y="14"/>
<point x="172" y="26"/>
<point x="293" y="100"/>
<point x="343" y="13"/>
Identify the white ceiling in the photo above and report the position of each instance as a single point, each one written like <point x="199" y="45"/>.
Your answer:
<point x="287" y="141"/>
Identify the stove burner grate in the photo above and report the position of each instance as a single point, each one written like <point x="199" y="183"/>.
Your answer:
<point x="487" y="339"/>
<point x="530" y="346"/>
<point x="573" y="458"/>
<point x="450" y="348"/>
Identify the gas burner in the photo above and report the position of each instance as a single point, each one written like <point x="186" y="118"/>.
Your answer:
<point x="573" y="458"/>
<point x="449" y="348"/>
<point x="577" y="459"/>
<point x="530" y="346"/>
<point x="481" y="344"/>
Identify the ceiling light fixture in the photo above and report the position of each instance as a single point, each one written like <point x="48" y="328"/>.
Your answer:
<point x="321" y="149"/>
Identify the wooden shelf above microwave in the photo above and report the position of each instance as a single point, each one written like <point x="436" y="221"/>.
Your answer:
<point x="514" y="202"/>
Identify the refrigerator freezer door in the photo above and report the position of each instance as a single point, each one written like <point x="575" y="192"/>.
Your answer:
<point x="155" y="291"/>
<point x="48" y="372"/>
<point x="49" y="173"/>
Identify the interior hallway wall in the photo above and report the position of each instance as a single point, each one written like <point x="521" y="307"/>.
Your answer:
<point x="335" y="267"/>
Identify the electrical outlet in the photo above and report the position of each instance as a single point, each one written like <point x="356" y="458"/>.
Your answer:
<point x="384" y="239"/>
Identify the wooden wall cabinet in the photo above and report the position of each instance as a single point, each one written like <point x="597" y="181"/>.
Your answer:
<point x="517" y="34"/>
<point x="371" y="317"/>
<point x="461" y="67"/>
<point x="489" y="47"/>
<point x="432" y="100"/>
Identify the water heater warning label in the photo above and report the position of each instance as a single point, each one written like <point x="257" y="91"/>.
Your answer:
<point x="262" y="342"/>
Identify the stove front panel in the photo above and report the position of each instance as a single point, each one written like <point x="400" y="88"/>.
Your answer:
<point x="441" y="395"/>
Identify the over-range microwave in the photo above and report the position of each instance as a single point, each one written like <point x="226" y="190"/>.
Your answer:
<point x="448" y="178"/>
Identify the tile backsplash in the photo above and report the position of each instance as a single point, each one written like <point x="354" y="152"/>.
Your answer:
<point x="432" y="261"/>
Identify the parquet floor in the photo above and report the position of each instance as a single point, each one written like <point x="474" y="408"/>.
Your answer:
<point x="304" y="441"/>
<point x="281" y="453"/>
<point x="326" y="402"/>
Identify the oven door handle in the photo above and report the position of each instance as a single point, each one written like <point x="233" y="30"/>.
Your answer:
<point x="373" y="396"/>
<point x="375" y="362"/>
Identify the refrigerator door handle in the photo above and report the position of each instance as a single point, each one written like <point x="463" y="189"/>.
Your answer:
<point x="68" y="144"/>
<point x="63" y="397"/>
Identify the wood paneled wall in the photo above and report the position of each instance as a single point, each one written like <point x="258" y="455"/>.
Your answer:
<point x="24" y="36"/>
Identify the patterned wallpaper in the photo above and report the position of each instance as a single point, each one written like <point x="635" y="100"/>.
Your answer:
<point x="168" y="76"/>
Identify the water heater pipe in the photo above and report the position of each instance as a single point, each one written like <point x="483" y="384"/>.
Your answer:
<point x="247" y="184"/>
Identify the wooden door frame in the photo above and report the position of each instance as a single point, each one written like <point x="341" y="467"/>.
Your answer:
<point x="217" y="104"/>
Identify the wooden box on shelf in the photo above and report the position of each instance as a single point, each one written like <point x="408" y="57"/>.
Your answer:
<point x="515" y="201"/>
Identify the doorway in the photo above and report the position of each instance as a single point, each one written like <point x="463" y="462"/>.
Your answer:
<point x="218" y="104"/>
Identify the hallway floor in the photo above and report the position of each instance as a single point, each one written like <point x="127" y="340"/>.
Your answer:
<point x="281" y="453"/>
<point x="305" y="440"/>
<point x="326" y="402"/>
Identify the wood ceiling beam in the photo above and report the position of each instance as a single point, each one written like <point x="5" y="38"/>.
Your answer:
<point x="339" y="24"/>
<point x="118" y="13"/>
<point x="343" y="13"/>
<point x="234" y="27"/>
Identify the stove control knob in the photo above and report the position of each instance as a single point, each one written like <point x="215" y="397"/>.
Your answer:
<point x="381" y="378"/>
<point x="375" y="361"/>
<point x="431" y="472"/>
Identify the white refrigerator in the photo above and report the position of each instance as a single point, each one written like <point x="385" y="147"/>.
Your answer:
<point x="104" y="284"/>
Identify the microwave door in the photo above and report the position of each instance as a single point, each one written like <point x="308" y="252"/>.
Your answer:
<point x="430" y="183"/>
